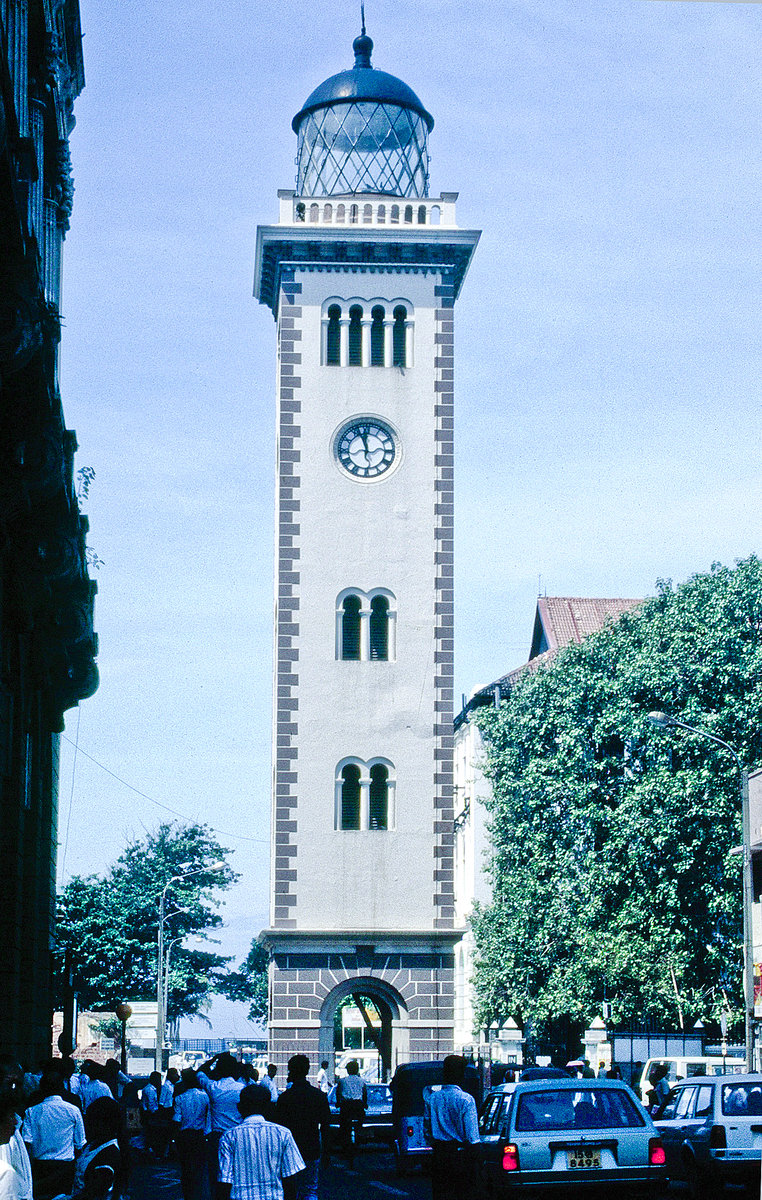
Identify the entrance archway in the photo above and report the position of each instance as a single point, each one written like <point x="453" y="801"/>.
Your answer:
<point x="393" y="1039"/>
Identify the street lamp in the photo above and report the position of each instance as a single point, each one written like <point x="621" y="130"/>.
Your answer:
<point x="160" y="989"/>
<point x="663" y="720"/>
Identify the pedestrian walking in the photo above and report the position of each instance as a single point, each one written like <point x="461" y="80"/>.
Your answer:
<point x="192" y="1122"/>
<point x="53" y="1132"/>
<point x="304" y="1110"/>
<point x="269" y="1082"/>
<point x="10" y="1180"/>
<point x="99" y="1164"/>
<point x="322" y="1081"/>
<point x="14" y="1152"/>
<point x="219" y="1079"/>
<point x="92" y="1084"/>
<point x="352" y="1098"/>
<point x="257" y="1155"/>
<point x="149" y="1105"/>
<point x="451" y="1126"/>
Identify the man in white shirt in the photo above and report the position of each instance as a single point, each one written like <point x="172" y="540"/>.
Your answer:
<point x="223" y="1087"/>
<point x="451" y="1125"/>
<point x="92" y="1084"/>
<point x="322" y="1081"/>
<point x="257" y="1155"/>
<point x="54" y="1133"/>
<point x="269" y="1082"/>
<point x="10" y="1181"/>
<point x="14" y="1152"/>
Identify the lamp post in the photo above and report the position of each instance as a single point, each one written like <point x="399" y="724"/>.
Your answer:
<point x="663" y="720"/>
<point x="160" y="988"/>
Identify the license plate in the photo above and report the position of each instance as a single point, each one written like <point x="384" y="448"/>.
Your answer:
<point x="583" y="1158"/>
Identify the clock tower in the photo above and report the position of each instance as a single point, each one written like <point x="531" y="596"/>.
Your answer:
<point x="361" y="273"/>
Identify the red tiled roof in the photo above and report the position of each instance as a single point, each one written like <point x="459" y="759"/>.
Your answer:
<point x="567" y="619"/>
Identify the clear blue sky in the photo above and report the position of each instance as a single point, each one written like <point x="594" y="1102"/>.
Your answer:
<point x="607" y="347"/>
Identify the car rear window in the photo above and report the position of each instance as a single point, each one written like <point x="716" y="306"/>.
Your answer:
<point x="599" y="1108"/>
<point x="742" y="1100"/>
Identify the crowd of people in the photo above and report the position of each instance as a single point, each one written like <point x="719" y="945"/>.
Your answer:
<point x="71" y="1135"/>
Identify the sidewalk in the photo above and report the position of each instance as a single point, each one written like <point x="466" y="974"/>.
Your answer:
<point x="150" y="1180"/>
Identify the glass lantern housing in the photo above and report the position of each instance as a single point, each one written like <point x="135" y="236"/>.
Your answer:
<point x="363" y="131"/>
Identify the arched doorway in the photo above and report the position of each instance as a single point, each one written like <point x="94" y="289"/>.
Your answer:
<point x="391" y="1037"/>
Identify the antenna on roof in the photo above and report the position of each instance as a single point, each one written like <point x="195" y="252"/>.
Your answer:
<point x="362" y="15"/>
<point x="539" y="585"/>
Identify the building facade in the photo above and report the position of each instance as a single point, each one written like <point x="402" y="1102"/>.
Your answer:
<point x="47" y="644"/>
<point x="361" y="274"/>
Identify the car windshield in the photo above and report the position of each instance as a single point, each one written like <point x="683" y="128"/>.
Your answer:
<point x="599" y="1108"/>
<point x="742" y="1100"/>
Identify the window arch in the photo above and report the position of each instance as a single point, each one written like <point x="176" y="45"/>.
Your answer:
<point x="408" y="214"/>
<point x="351" y="641"/>
<point x="333" y="337"/>
<point x="365" y="794"/>
<point x="355" y="336"/>
<point x="378" y="315"/>
<point x="354" y="214"/>
<point x="395" y="214"/>
<point x="340" y="212"/>
<point x="382" y="214"/>
<point x="379" y="629"/>
<point x="421" y="214"/>
<point x="367" y="214"/>
<point x="366" y="625"/>
<point x="378" y="797"/>
<point x="351" y="796"/>
<point x="313" y="212"/>
<point x="328" y="214"/>
<point x="399" y="357"/>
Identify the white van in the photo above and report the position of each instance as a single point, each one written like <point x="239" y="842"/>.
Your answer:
<point x="685" y="1067"/>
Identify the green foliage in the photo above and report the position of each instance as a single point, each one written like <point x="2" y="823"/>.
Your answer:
<point x="106" y="927"/>
<point x="611" y="866"/>
<point x="249" y="982"/>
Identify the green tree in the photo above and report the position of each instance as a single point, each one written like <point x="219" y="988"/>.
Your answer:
<point x="611" y="854"/>
<point x="106" y="926"/>
<point x="249" y="982"/>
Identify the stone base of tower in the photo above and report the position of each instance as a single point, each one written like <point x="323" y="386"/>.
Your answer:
<point x="408" y="976"/>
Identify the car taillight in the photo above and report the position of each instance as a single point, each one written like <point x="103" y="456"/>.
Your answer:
<point x="717" y="1138"/>
<point x="510" y="1158"/>
<point x="656" y="1155"/>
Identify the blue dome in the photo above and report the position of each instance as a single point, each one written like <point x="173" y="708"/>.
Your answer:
<point x="362" y="82"/>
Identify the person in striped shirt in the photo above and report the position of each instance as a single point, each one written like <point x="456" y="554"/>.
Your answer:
<point x="257" y="1155"/>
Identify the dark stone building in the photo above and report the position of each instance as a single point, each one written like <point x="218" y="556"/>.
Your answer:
<point x="47" y="644"/>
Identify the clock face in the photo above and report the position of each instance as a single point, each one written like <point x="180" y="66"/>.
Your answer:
<point x="366" y="448"/>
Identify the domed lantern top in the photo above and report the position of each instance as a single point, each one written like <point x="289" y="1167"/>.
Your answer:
<point x="363" y="131"/>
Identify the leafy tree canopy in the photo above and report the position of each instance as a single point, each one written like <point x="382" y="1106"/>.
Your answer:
<point x="611" y="865"/>
<point x="249" y="982"/>
<point x="106" y="927"/>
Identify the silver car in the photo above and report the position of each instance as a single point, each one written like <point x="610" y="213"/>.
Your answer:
<point x="711" y="1128"/>
<point x="570" y="1136"/>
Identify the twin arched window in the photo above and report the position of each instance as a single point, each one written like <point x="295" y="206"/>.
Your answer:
<point x="355" y="337"/>
<point x="365" y="626"/>
<point x="364" y="793"/>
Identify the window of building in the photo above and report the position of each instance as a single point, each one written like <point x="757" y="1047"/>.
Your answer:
<point x="313" y="212"/>
<point x="350" y="797"/>
<point x="382" y="214"/>
<point x="379" y="628"/>
<point x="333" y="336"/>
<point x="354" y="214"/>
<point x="398" y="337"/>
<point x="395" y="214"/>
<point x="351" y="628"/>
<point x="377" y="336"/>
<point x="367" y="214"/>
<point x="328" y="214"/>
<point x="408" y="214"/>
<point x="355" y="336"/>
<point x="340" y="213"/>
<point x="378" y="797"/>
<point x="421" y="214"/>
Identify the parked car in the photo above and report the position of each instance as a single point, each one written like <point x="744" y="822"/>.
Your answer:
<point x="711" y="1129"/>
<point x="378" y="1114"/>
<point x="568" y="1137"/>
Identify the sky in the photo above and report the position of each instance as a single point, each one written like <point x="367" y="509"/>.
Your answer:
<point x="607" y="352"/>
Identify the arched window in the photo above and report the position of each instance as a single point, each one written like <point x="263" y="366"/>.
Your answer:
<point x="436" y="213"/>
<point x="340" y="213"/>
<point x="367" y="214"/>
<point x="313" y="212"/>
<point x="421" y="214"/>
<point x="395" y="214"/>
<point x="328" y="213"/>
<point x="350" y="628"/>
<point x="350" y="797"/>
<point x="377" y="336"/>
<point x="398" y="337"/>
<point x="355" y="336"/>
<point x="378" y="799"/>
<point x="333" y="337"/>
<point x="382" y="214"/>
<point x="354" y="213"/>
<point x="379" y="628"/>
<point x="408" y="214"/>
<point x="300" y="211"/>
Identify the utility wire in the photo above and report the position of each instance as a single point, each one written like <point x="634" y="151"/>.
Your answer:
<point x="175" y="812"/>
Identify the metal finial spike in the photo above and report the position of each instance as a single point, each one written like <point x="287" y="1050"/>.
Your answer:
<point x="362" y="15"/>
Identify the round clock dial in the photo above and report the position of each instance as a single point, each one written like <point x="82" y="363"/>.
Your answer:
<point x="366" y="448"/>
